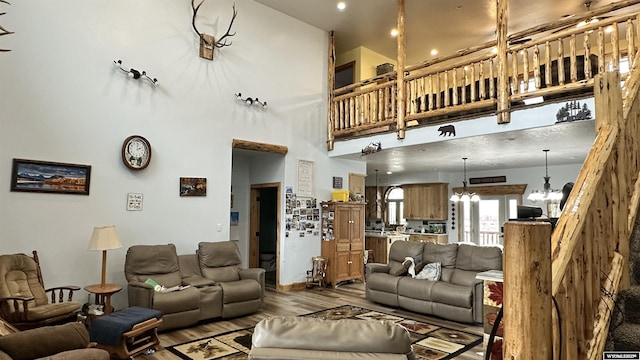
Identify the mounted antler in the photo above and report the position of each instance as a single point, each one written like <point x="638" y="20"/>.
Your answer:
<point x="4" y="31"/>
<point x="208" y="42"/>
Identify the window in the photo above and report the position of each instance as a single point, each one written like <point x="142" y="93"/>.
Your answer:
<point x="395" y="206"/>
<point x="482" y="221"/>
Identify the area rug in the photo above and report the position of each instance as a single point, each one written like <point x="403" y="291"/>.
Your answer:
<point x="430" y="341"/>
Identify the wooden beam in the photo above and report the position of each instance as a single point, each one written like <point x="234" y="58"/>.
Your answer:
<point x="256" y="146"/>
<point x="331" y="85"/>
<point x="502" y="22"/>
<point x="401" y="65"/>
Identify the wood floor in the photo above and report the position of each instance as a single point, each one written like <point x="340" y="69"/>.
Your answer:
<point x="298" y="303"/>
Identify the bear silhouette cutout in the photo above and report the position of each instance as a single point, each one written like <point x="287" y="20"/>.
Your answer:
<point x="447" y="130"/>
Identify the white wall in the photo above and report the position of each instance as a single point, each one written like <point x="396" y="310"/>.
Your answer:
<point x="63" y="100"/>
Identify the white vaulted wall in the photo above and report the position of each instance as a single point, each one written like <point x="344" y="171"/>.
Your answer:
<point x="62" y="100"/>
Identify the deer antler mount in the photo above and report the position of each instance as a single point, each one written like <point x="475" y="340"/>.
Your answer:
<point x="208" y="42"/>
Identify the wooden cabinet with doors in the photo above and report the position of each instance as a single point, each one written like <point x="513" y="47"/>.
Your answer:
<point x="426" y="201"/>
<point x="343" y="241"/>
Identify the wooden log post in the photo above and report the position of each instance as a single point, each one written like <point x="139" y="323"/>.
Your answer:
<point x="331" y="115"/>
<point x="527" y="290"/>
<point x="608" y="110"/>
<point x="504" y="116"/>
<point x="400" y="78"/>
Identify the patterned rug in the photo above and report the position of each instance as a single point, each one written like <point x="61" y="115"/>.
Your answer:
<point x="430" y="342"/>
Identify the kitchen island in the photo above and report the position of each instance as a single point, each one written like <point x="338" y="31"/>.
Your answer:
<point x="379" y="243"/>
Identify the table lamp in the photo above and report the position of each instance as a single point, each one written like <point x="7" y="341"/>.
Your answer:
<point x="104" y="238"/>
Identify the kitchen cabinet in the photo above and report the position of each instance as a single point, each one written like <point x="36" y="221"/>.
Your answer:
<point x="426" y="201"/>
<point x="343" y="241"/>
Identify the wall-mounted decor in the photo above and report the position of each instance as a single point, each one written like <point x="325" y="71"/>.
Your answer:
<point x="251" y="101"/>
<point x="134" y="202"/>
<point x="235" y="218"/>
<point x="4" y="31"/>
<point x="136" y="152"/>
<point x="135" y="74"/>
<point x="371" y="148"/>
<point x="50" y="177"/>
<point x="447" y="130"/>
<point x="193" y="186"/>
<point x="573" y="111"/>
<point x="305" y="178"/>
<point x="488" y="180"/>
<point x="208" y="42"/>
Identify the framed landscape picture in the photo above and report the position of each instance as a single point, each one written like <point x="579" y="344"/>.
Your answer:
<point x="50" y="177"/>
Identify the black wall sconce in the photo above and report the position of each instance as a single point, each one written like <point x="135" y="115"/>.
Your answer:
<point x="251" y="101"/>
<point x="135" y="74"/>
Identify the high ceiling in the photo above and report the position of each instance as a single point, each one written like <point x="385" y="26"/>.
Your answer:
<point x="448" y="26"/>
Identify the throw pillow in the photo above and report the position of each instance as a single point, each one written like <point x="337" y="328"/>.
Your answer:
<point x="431" y="272"/>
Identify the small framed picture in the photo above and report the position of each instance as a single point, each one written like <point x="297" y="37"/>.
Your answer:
<point x="193" y="186"/>
<point x="50" y="177"/>
<point x="134" y="202"/>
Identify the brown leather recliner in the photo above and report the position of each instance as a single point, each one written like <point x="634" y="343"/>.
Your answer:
<point x="242" y="289"/>
<point x="64" y="342"/>
<point x="160" y="263"/>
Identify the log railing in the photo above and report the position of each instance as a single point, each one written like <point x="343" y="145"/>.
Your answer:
<point x="465" y="83"/>
<point x="589" y="250"/>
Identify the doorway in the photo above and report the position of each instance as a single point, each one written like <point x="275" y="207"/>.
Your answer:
<point x="264" y="230"/>
<point x="483" y="220"/>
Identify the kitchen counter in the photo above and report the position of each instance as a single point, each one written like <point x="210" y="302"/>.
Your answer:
<point x="379" y="244"/>
<point x="429" y="237"/>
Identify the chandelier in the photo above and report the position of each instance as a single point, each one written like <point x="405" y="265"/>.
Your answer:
<point x="465" y="196"/>
<point x="547" y="194"/>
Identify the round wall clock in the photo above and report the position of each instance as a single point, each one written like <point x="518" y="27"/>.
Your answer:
<point x="136" y="152"/>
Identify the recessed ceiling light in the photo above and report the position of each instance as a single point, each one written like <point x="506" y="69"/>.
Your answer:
<point x="434" y="52"/>
<point x="341" y="5"/>
<point x="389" y="172"/>
<point x="394" y="32"/>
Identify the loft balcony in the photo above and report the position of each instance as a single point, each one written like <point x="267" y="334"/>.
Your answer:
<point x="552" y="62"/>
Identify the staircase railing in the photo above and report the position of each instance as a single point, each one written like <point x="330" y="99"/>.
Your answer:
<point x="589" y="246"/>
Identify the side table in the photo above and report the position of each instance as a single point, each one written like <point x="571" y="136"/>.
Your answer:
<point x="103" y="294"/>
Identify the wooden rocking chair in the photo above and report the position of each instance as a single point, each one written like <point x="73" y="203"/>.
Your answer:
<point x="23" y="297"/>
<point x="317" y="274"/>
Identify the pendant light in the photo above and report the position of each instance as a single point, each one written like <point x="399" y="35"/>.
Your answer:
<point x="547" y="194"/>
<point x="465" y="196"/>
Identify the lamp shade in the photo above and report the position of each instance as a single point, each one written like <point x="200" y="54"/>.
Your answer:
<point x="104" y="238"/>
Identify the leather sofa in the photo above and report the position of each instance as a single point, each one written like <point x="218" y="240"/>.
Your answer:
<point x="292" y="337"/>
<point x="238" y="292"/>
<point x="456" y="295"/>
<point x="64" y="342"/>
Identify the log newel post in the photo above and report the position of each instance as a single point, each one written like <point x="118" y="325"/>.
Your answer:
<point x="503" y="114"/>
<point x="608" y="110"/>
<point x="527" y="290"/>
<point x="331" y="86"/>
<point x="400" y="71"/>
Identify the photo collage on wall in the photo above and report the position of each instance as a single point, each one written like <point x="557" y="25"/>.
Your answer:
<point x="302" y="215"/>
